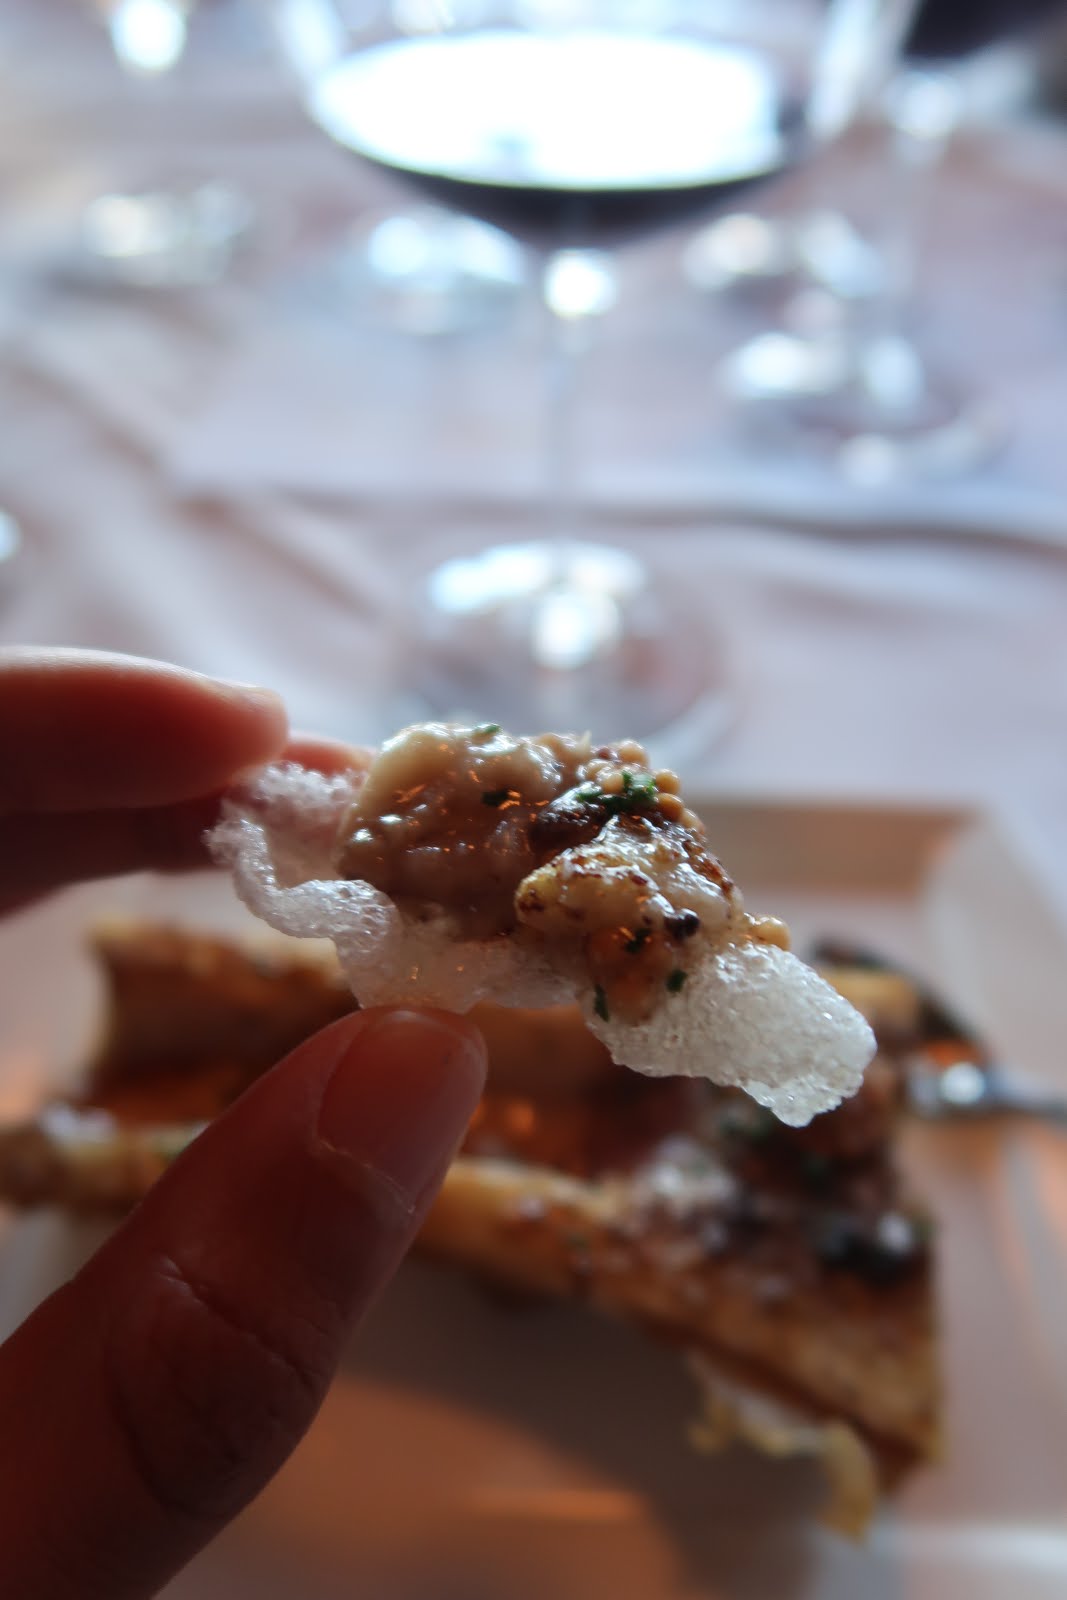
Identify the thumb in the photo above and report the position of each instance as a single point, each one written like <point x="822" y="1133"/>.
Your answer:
<point x="155" y="1394"/>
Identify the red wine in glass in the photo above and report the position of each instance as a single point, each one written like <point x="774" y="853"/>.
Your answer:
<point x="565" y="140"/>
<point x="946" y="30"/>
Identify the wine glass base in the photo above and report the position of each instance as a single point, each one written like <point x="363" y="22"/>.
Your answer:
<point x="572" y="637"/>
<point x="10" y="537"/>
<point x="739" y="252"/>
<point x="774" y="257"/>
<point x="429" y="272"/>
<point x="158" y="239"/>
<point x="960" y="443"/>
<point x="876" y="411"/>
<point x="11" y="545"/>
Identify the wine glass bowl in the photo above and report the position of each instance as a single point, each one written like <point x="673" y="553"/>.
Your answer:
<point x="428" y="271"/>
<point x="575" y="634"/>
<point x="498" y="124"/>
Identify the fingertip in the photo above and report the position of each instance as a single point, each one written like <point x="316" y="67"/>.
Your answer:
<point x="399" y="1100"/>
<point x="261" y="717"/>
<point x="255" y="695"/>
<point x="328" y="756"/>
<point x="97" y="731"/>
<point x="432" y="1026"/>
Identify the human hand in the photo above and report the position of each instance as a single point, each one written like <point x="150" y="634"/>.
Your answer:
<point x="110" y="764"/>
<point x="154" y="1395"/>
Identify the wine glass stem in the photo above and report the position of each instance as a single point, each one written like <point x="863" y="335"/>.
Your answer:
<point x="565" y="340"/>
<point x="148" y="37"/>
<point x="576" y="619"/>
<point x="922" y="114"/>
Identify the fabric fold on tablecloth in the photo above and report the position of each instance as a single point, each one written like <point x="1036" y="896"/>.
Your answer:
<point x="285" y="380"/>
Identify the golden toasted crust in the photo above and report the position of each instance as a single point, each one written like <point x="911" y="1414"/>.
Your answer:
<point x="734" y="1408"/>
<point x="180" y="1001"/>
<point x="549" y="1197"/>
<point x="177" y="999"/>
<point x="841" y="1345"/>
<point x="85" y="1161"/>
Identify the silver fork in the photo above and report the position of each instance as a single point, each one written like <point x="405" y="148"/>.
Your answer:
<point x="972" y="1086"/>
<point x="971" y="1090"/>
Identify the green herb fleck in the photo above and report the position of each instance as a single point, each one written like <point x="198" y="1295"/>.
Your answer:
<point x="485" y="730"/>
<point x="578" y="1242"/>
<point x="496" y="797"/>
<point x="676" y="980"/>
<point x="637" y="942"/>
<point x="600" y="1003"/>
<point x="638" y="791"/>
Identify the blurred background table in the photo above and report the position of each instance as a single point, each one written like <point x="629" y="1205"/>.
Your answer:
<point x="246" y="477"/>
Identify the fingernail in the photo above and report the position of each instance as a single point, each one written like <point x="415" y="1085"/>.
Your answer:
<point x="399" y="1100"/>
<point x="252" y="692"/>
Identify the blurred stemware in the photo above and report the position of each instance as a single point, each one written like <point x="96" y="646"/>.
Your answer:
<point x="843" y="371"/>
<point x="173" y="236"/>
<point x="427" y="271"/>
<point x="10" y="542"/>
<point x="576" y="125"/>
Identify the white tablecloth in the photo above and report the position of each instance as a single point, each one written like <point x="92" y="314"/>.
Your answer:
<point x="248" y="478"/>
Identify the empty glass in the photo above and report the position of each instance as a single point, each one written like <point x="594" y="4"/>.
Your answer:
<point x="177" y="236"/>
<point x="844" y="371"/>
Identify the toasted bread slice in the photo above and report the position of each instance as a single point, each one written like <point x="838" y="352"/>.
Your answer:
<point x="787" y="1264"/>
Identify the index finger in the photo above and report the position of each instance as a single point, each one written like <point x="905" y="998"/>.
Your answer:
<point x="84" y="730"/>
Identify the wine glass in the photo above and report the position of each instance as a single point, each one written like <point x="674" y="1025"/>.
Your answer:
<point x="10" y="541"/>
<point x="182" y="235"/>
<point x="428" y="271"/>
<point x="751" y="251"/>
<point x="576" y="125"/>
<point x="844" y="372"/>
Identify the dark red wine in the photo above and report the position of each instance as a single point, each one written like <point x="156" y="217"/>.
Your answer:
<point x="946" y="29"/>
<point x="568" y="138"/>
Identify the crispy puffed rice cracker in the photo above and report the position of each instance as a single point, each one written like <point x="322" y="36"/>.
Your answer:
<point x="750" y="1014"/>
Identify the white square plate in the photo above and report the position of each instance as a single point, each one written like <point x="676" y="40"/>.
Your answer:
<point x="471" y="1451"/>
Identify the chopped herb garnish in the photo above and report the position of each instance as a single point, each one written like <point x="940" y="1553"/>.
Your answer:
<point x="676" y="980"/>
<point x="639" y="788"/>
<point x="485" y="730"/>
<point x="578" y="1241"/>
<point x="637" y="792"/>
<point x="636" y="943"/>
<point x="497" y="797"/>
<point x="600" y="1003"/>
